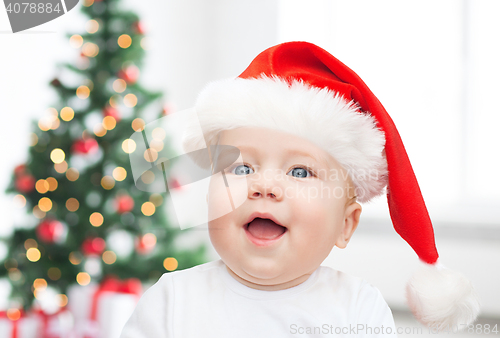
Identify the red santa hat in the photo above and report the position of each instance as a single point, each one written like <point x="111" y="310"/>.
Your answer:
<point x="300" y="88"/>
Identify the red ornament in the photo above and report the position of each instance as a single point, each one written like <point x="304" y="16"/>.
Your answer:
<point x="50" y="231"/>
<point x="85" y="146"/>
<point x="93" y="246"/>
<point x="145" y="243"/>
<point x="20" y="169"/>
<point x="124" y="203"/>
<point x="113" y="112"/>
<point x="139" y="27"/>
<point x="25" y="183"/>
<point x="129" y="74"/>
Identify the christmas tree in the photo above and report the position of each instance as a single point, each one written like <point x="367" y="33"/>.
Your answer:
<point x="89" y="220"/>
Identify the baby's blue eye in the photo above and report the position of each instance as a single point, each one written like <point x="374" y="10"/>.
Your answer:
<point x="300" y="172"/>
<point x="242" y="169"/>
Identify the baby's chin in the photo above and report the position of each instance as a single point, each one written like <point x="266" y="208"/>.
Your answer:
<point x="268" y="276"/>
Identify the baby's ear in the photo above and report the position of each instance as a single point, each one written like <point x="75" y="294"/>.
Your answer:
<point x="351" y="221"/>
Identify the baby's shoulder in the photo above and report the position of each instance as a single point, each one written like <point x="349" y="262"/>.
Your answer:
<point x="196" y="274"/>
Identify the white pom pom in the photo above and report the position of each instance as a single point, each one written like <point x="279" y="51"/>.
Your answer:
<point x="441" y="298"/>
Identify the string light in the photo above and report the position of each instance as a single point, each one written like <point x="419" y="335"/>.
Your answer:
<point x="30" y="243"/>
<point x="124" y="41"/>
<point x="119" y="85"/>
<point x="170" y="263"/>
<point x="13" y="314"/>
<point x="149" y="240"/>
<point x="99" y="130"/>
<point x="61" y="167"/>
<point x="83" y="278"/>
<point x="72" y="174"/>
<point x="88" y="3"/>
<point x="75" y="258"/>
<point x="38" y="213"/>
<point x="159" y="133"/>
<point x="138" y="124"/>
<point x="33" y="254"/>
<point x="57" y="155"/>
<point x="156" y="145"/>
<point x="107" y="182"/>
<point x="130" y="100"/>
<point x="90" y="49"/>
<point x="150" y="155"/>
<point x="109" y="123"/>
<point x="148" y="177"/>
<point x="76" y="41"/>
<point x="114" y="101"/>
<point x="52" y="182"/>
<point x="67" y="114"/>
<point x="15" y="275"/>
<point x="108" y="257"/>
<point x="148" y="208"/>
<point x="72" y="204"/>
<point x="129" y="145"/>
<point x="83" y="92"/>
<point x="42" y="186"/>
<point x="119" y="173"/>
<point x="40" y="283"/>
<point x="96" y="219"/>
<point x="33" y="139"/>
<point x="20" y="201"/>
<point x="45" y="204"/>
<point x="63" y="300"/>
<point x="156" y="199"/>
<point x="92" y="26"/>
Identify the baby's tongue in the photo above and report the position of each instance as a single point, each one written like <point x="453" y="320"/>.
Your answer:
<point x="265" y="229"/>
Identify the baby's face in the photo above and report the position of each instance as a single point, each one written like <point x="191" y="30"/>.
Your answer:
<point x="293" y="182"/>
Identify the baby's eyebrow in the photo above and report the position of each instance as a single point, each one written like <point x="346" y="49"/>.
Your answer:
<point x="320" y="160"/>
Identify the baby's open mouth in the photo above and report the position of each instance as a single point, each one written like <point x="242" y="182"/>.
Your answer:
<point x="265" y="229"/>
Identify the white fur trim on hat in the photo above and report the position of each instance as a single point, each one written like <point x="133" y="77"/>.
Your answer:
<point x="319" y="115"/>
<point x="441" y="298"/>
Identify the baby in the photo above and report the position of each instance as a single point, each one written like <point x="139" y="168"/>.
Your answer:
<point x="314" y="141"/>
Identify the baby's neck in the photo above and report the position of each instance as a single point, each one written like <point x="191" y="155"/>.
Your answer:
<point x="272" y="287"/>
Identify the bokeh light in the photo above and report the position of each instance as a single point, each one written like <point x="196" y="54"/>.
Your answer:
<point x="109" y="123"/>
<point x="119" y="173"/>
<point x="107" y="182"/>
<point x="124" y="41"/>
<point x="72" y="204"/>
<point x="83" y="278"/>
<point x="52" y="183"/>
<point x="119" y="85"/>
<point x="61" y="167"/>
<point x="96" y="219"/>
<point x="92" y="26"/>
<point x="138" y="124"/>
<point x="33" y="254"/>
<point x="129" y="146"/>
<point x="67" y="114"/>
<point x="150" y="155"/>
<point x="130" y="100"/>
<point x="170" y="263"/>
<point x="30" y="243"/>
<point x="108" y="257"/>
<point x="83" y="92"/>
<point x="19" y="201"/>
<point x="148" y="208"/>
<point x="90" y="49"/>
<point x="57" y="155"/>
<point x="45" y="204"/>
<point x="75" y="258"/>
<point x="76" y="41"/>
<point x="72" y="174"/>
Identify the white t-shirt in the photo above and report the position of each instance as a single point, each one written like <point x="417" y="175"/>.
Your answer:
<point x="206" y="301"/>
